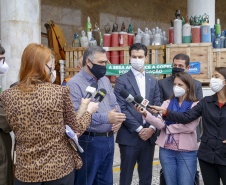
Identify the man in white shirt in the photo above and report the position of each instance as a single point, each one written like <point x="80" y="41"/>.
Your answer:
<point x="136" y="138"/>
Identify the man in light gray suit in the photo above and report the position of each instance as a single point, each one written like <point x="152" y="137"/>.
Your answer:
<point x="181" y="62"/>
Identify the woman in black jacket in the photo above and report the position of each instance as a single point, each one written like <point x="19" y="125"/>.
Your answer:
<point x="212" y="150"/>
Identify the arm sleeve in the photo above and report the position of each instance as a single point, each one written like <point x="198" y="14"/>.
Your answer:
<point x="70" y="117"/>
<point x="181" y="128"/>
<point x="185" y="117"/>
<point x="160" y="91"/>
<point x="4" y="125"/>
<point x="131" y="123"/>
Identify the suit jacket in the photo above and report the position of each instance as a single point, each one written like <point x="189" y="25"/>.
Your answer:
<point x="127" y="134"/>
<point x="38" y="121"/>
<point x="166" y="88"/>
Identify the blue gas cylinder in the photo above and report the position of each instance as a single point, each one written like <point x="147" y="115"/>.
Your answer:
<point x="222" y="38"/>
<point x="217" y="43"/>
<point x="212" y="36"/>
<point x="205" y="32"/>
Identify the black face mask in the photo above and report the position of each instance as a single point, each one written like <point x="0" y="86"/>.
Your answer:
<point x="97" y="70"/>
<point x="176" y="70"/>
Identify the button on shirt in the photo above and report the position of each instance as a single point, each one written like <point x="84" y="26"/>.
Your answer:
<point x="140" y="79"/>
<point x="78" y="85"/>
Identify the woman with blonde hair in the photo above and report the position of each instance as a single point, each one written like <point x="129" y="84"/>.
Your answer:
<point x="37" y="112"/>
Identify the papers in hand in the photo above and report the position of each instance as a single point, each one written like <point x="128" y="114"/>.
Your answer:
<point x="70" y="133"/>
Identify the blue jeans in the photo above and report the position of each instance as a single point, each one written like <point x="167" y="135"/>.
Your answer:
<point x="174" y="167"/>
<point x="97" y="161"/>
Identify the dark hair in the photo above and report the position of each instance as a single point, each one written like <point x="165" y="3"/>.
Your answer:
<point x="182" y="56"/>
<point x="188" y="80"/>
<point x="138" y="46"/>
<point x="2" y="50"/>
<point x="90" y="53"/>
<point x="222" y="71"/>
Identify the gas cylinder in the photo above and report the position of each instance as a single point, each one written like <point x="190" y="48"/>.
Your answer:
<point x="222" y="38"/>
<point x="196" y="34"/>
<point x="205" y="32"/>
<point x="75" y="42"/>
<point x="177" y="31"/>
<point x="157" y="38"/>
<point x="171" y="39"/>
<point x="92" y="42"/>
<point x="151" y="36"/>
<point x="89" y="29"/>
<point x="146" y="38"/>
<point x="212" y="36"/>
<point x="84" y="39"/>
<point x="123" y="41"/>
<point x="186" y="32"/>
<point x="218" y="27"/>
<point x="96" y="34"/>
<point x="107" y="43"/>
<point x="165" y="40"/>
<point x="137" y="38"/>
<point x="130" y="39"/>
<point x="217" y="41"/>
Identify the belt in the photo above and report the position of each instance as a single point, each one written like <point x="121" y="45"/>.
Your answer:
<point x="107" y="134"/>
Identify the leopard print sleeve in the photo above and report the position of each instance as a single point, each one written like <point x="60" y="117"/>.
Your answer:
<point x="79" y="125"/>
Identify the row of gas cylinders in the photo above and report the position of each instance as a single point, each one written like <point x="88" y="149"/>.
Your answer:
<point x="218" y="41"/>
<point x="179" y="34"/>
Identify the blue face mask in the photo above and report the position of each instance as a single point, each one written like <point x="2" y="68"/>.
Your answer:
<point x="97" y="70"/>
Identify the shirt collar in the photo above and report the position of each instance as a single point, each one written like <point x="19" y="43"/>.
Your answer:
<point x="87" y="76"/>
<point x="137" y="73"/>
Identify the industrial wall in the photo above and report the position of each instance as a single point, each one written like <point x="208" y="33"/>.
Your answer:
<point x="72" y="15"/>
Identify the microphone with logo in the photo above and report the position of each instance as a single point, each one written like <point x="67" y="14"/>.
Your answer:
<point x="128" y="97"/>
<point x="100" y="95"/>
<point x="91" y="90"/>
<point x="142" y="102"/>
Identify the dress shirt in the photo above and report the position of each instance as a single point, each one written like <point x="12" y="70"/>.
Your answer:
<point x="140" y="79"/>
<point x="78" y="85"/>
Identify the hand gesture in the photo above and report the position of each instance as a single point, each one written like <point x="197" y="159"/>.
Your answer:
<point x="115" y="117"/>
<point x="85" y="101"/>
<point x="157" y="109"/>
<point x="92" y="107"/>
<point x="146" y="133"/>
<point x="141" y="110"/>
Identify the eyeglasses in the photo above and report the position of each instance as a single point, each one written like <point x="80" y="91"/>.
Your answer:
<point x="3" y="59"/>
<point x="50" y="69"/>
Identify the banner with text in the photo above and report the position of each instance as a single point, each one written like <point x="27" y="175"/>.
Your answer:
<point x="154" y="69"/>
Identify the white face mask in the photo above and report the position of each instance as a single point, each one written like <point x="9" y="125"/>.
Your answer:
<point x="137" y="64"/>
<point x="216" y="84"/>
<point x="3" y="67"/>
<point x="53" y="77"/>
<point x="178" y="91"/>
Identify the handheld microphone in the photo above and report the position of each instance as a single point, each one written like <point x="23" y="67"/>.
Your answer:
<point x="128" y="97"/>
<point x="91" y="90"/>
<point x="143" y="102"/>
<point x="100" y="95"/>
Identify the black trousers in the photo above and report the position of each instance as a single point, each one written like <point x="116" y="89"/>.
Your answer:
<point x="66" y="180"/>
<point x="143" y="154"/>
<point x="212" y="173"/>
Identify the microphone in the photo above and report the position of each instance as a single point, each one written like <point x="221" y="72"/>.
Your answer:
<point x="91" y="90"/>
<point x="128" y="97"/>
<point x="143" y="102"/>
<point x="100" y="95"/>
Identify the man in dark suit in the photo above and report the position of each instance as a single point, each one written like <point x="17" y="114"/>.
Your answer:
<point x="136" y="138"/>
<point x="181" y="62"/>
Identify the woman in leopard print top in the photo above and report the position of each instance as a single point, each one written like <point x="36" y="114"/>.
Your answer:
<point x="37" y="112"/>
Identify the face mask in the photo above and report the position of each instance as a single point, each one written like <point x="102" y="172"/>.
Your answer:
<point x="178" y="91"/>
<point x="176" y="70"/>
<point x="53" y="77"/>
<point x="137" y="64"/>
<point x="3" y="68"/>
<point x="216" y="84"/>
<point x="97" y="70"/>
